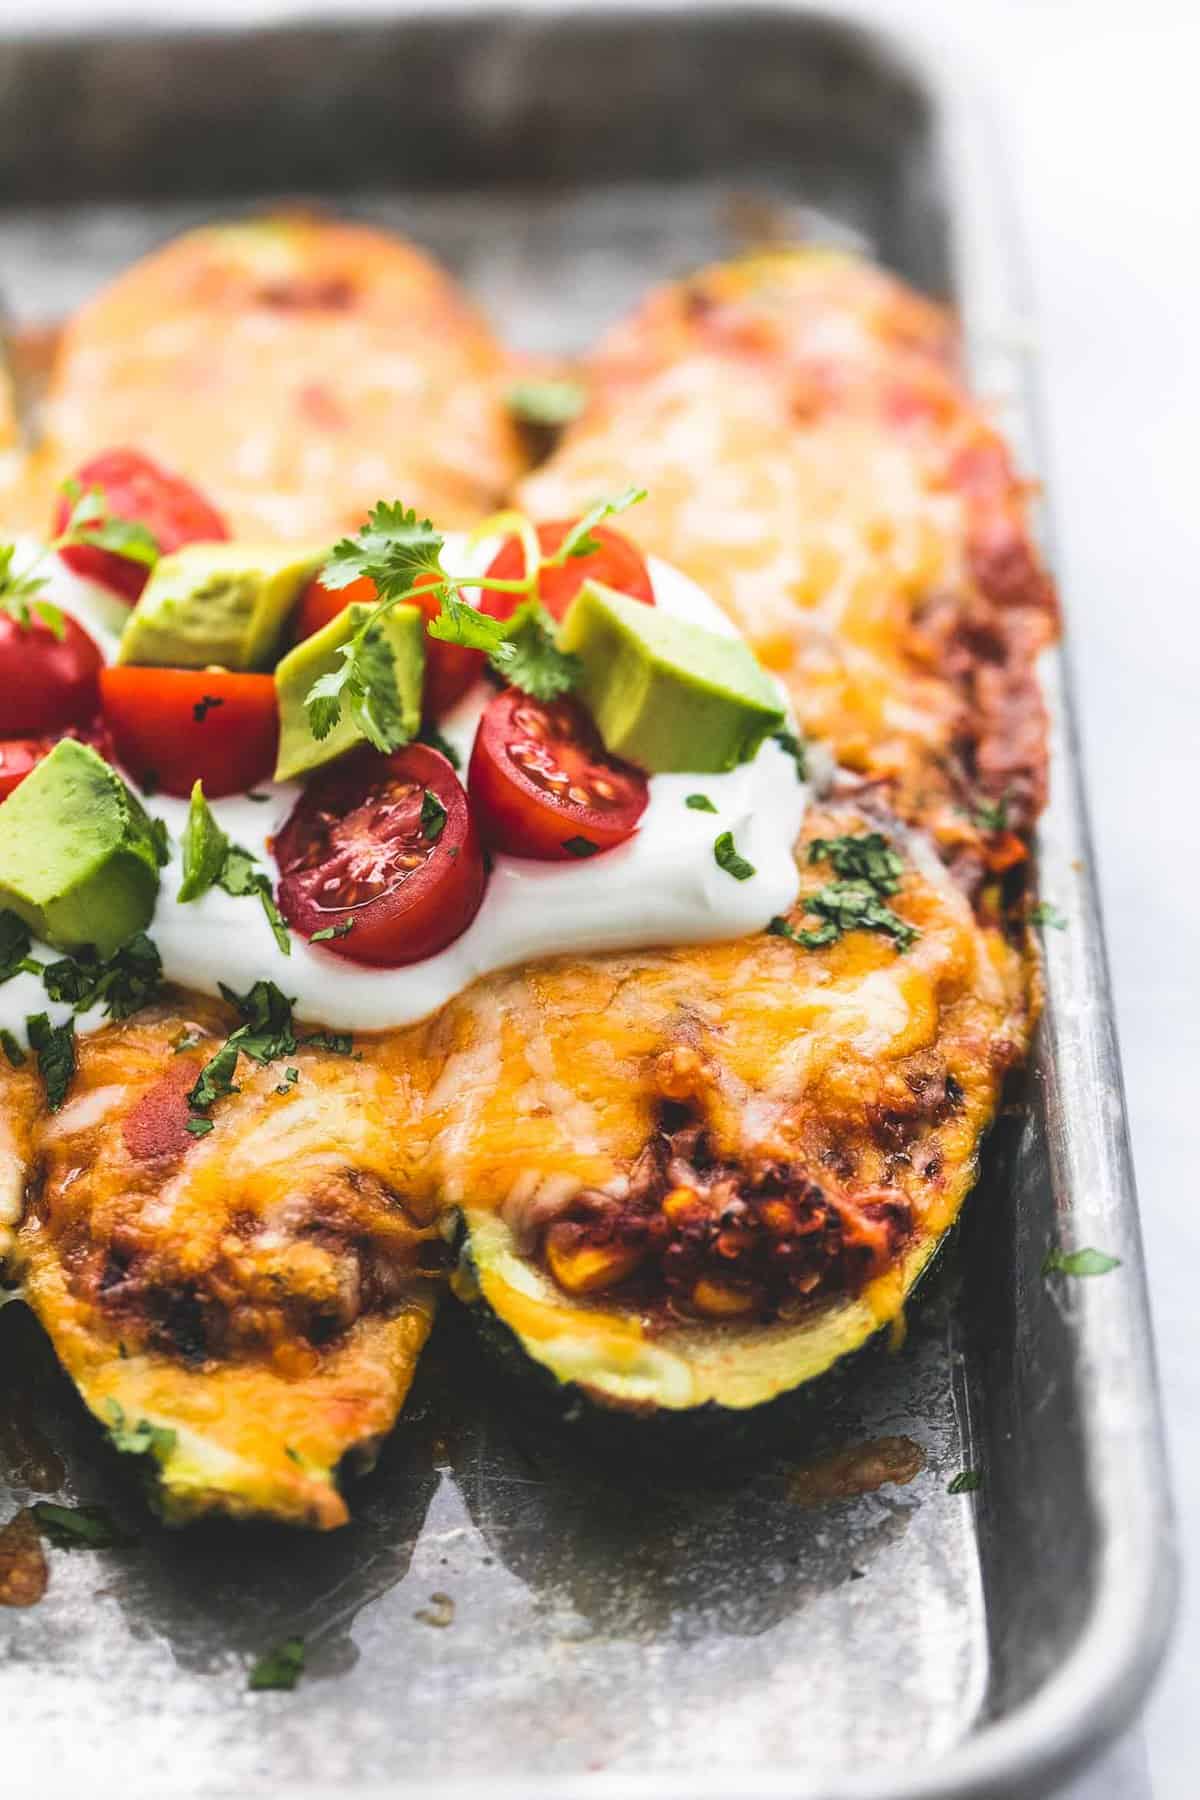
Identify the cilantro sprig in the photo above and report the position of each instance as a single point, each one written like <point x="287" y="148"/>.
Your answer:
<point x="211" y="860"/>
<point x="88" y="522"/>
<point x="265" y="1034"/>
<point x="402" y="554"/>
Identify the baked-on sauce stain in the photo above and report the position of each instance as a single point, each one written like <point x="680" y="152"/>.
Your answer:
<point x="859" y="1469"/>
<point x="23" y="1571"/>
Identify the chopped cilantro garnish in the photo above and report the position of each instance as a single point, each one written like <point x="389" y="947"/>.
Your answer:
<point x="79" y="1527"/>
<point x="335" y="931"/>
<point x="579" y="540"/>
<point x="866" y="857"/>
<point x="727" y="858"/>
<point x="188" y="1041"/>
<point x="700" y="803"/>
<point x="198" y="1125"/>
<point x="255" y="795"/>
<point x="433" y="816"/>
<point x="871" y="871"/>
<point x="209" y="859"/>
<point x="338" y="1043"/>
<point x="15" y="943"/>
<point x="290" y="1078"/>
<point x="12" y="1049"/>
<point x="1079" y="1262"/>
<point x="54" y="1047"/>
<point x="580" y="846"/>
<point x="794" y="747"/>
<point x="130" y="979"/>
<point x="280" y="1668"/>
<point x="1045" y="914"/>
<point x="142" y="1439"/>
<point x="991" y="815"/>
<point x="967" y="1481"/>
<point x="265" y="1033"/>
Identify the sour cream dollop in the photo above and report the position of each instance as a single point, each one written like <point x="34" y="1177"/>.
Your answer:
<point x="663" y="886"/>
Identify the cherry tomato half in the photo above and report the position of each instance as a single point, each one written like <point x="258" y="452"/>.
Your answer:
<point x="389" y="842"/>
<point x="618" y="563"/>
<point x="177" y="726"/>
<point x="137" y="490"/>
<point x="46" y="682"/>
<point x="543" y="785"/>
<point x="449" y="668"/>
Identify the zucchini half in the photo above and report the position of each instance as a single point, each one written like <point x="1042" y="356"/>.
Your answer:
<point x="601" y="1354"/>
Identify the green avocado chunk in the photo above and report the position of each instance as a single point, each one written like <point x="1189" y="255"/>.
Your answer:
<point x="664" y="693"/>
<point x="220" y="604"/>
<point x="77" y="853"/>
<point x="402" y="631"/>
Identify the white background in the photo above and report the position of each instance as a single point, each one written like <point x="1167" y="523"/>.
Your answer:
<point x="1099" y="105"/>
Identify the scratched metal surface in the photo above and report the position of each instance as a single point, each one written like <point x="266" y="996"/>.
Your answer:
<point x="501" y="1611"/>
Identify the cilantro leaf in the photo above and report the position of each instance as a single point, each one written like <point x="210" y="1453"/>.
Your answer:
<point x="142" y="1439"/>
<point x="727" y="858"/>
<point x="54" y="1047"/>
<point x="18" y="595"/>
<point x="79" y="1527"/>
<point x="130" y="979"/>
<point x="549" y="403"/>
<point x="855" y="906"/>
<point x="373" y="695"/>
<point x="579" y="540"/>
<point x="991" y="815"/>
<point x="532" y="659"/>
<point x="323" y="702"/>
<point x="1045" y="914"/>
<point x="580" y="846"/>
<point x="89" y="522"/>
<point x="199" y="1126"/>
<point x="700" y="803"/>
<point x="460" y="623"/>
<point x="209" y="859"/>
<point x="866" y="857"/>
<point x="341" y="930"/>
<point x="204" y="847"/>
<point x="280" y="1669"/>
<point x="16" y="941"/>
<point x="338" y="1043"/>
<point x="967" y="1481"/>
<point x="794" y="747"/>
<point x="266" y="1030"/>
<point x="393" y="547"/>
<point x="12" y="1049"/>
<point x="1079" y="1262"/>
<point x="433" y="816"/>
<point x="215" y="1079"/>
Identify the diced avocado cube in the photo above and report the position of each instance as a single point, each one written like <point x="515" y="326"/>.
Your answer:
<point x="220" y="604"/>
<point x="77" y="853"/>
<point x="664" y="693"/>
<point x="402" y="631"/>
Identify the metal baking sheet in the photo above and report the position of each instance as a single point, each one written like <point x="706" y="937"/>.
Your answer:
<point x="613" y="1632"/>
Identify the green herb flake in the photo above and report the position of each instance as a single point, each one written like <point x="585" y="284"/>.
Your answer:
<point x="79" y="1527"/>
<point x="1045" y="914"/>
<point x="700" y="803"/>
<point x="54" y="1047"/>
<point x="188" y="1041"/>
<point x="129" y="980"/>
<point x="209" y="859"/>
<point x="1079" y="1262"/>
<point x="727" y="858"/>
<point x="16" y="941"/>
<point x="336" y="931"/>
<point x="579" y="540"/>
<point x="794" y="747"/>
<point x="290" y="1078"/>
<point x="550" y="403"/>
<point x="198" y="1125"/>
<point x="433" y="816"/>
<point x="967" y="1481"/>
<point x="991" y="815"/>
<point x="12" y="1049"/>
<point x="337" y="1043"/>
<point x="580" y="846"/>
<point x="280" y="1669"/>
<point x="142" y="1439"/>
<point x="864" y="857"/>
